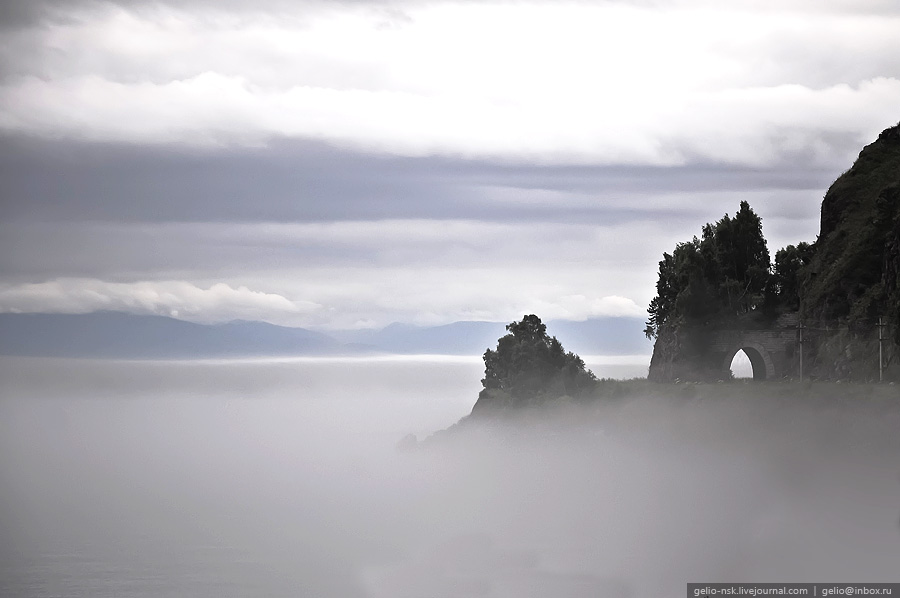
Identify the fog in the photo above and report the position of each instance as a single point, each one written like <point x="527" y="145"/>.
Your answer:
<point x="284" y="478"/>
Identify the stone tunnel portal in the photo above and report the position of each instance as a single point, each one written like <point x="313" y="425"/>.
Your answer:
<point x="771" y="352"/>
<point x="763" y="367"/>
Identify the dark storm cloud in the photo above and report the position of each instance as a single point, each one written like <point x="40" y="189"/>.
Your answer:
<point x="56" y="180"/>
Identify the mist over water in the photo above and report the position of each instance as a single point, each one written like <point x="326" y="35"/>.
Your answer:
<point x="283" y="478"/>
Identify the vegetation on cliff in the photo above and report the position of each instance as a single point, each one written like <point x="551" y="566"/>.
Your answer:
<point x="529" y="366"/>
<point x="853" y="273"/>
<point x="837" y="287"/>
<point x="723" y="274"/>
<point x="840" y="285"/>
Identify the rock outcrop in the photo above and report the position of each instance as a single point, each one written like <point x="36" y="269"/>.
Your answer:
<point x="851" y="282"/>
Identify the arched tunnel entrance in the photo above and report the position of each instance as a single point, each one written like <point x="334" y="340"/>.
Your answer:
<point x="741" y="368"/>
<point x="760" y="361"/>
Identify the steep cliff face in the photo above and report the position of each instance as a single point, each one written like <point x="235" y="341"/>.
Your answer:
<point x="853" y="278"/>
<point x="860" y="217"/>
<point x="851" y="281"/>
<point x="854" y="191"/>
<point x="683" y="353"/>
<point x="667" y="362"/>
<point x="891" y="281"/>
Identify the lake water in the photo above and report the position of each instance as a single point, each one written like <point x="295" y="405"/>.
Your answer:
<point x="282" y="478"/>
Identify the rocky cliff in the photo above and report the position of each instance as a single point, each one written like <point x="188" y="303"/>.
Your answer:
<point x="852" y="280"/>
<point x="852" y="276"/>
<point x="850" y="283"/>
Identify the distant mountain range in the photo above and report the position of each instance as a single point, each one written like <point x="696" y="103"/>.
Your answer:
<point x="116" y="334"/>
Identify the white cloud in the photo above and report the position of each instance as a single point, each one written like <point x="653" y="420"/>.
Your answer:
<point x="372" y="273"/>
<point x="580" y="307"/>
<point x="755" y="82"/>
<point x="561" y="82"/>
<point x="220" y="302"/>
<point x="756" y="127"/>
<point x="356" y="298"/>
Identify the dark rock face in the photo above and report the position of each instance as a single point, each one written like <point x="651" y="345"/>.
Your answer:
<point x="852" y="280"/>
<point x="666" y="350"/>
<point x="704" y="354"/>
<point x="891" y="280"/>
<point x="860" y="215"/>
<point x="854" y="189"/>
<point x="679" y="359"/>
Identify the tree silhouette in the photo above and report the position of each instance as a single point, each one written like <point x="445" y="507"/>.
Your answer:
<point x="785" y="281"/>
<point x="528" y="363"/>
<point x="725" y="272"/>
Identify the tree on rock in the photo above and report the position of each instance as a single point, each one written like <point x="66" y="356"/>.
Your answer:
<point x="723" y="274"/>
<point x="528" y="365"/>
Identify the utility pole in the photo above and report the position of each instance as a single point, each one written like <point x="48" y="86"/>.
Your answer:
<point x="880" y="350"/>
<point x="800" y="328"/>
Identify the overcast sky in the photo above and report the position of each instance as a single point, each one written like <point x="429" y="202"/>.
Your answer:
<point x="351" y="164"/>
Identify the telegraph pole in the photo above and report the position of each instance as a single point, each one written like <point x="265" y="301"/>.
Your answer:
<point x="800" y="328"/>
<point x="880" y="350"/>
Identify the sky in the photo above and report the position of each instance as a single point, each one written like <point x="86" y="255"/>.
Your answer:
<point x="349" y="164"/>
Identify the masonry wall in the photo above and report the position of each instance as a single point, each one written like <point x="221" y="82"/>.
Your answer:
<point x="674" y="357"/>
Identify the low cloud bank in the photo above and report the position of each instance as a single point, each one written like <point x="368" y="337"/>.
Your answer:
<point x="352" y="302"/>
<point x="283" y="479"/>
<point x="177" y="299"/>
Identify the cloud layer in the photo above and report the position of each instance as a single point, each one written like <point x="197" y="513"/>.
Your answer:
<point x="355" y="163"/>
<point x="367" y="300"/>
<point x="607" y="84"/>
<point x="178" y="299"/>
<point x="363" y="273"/>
